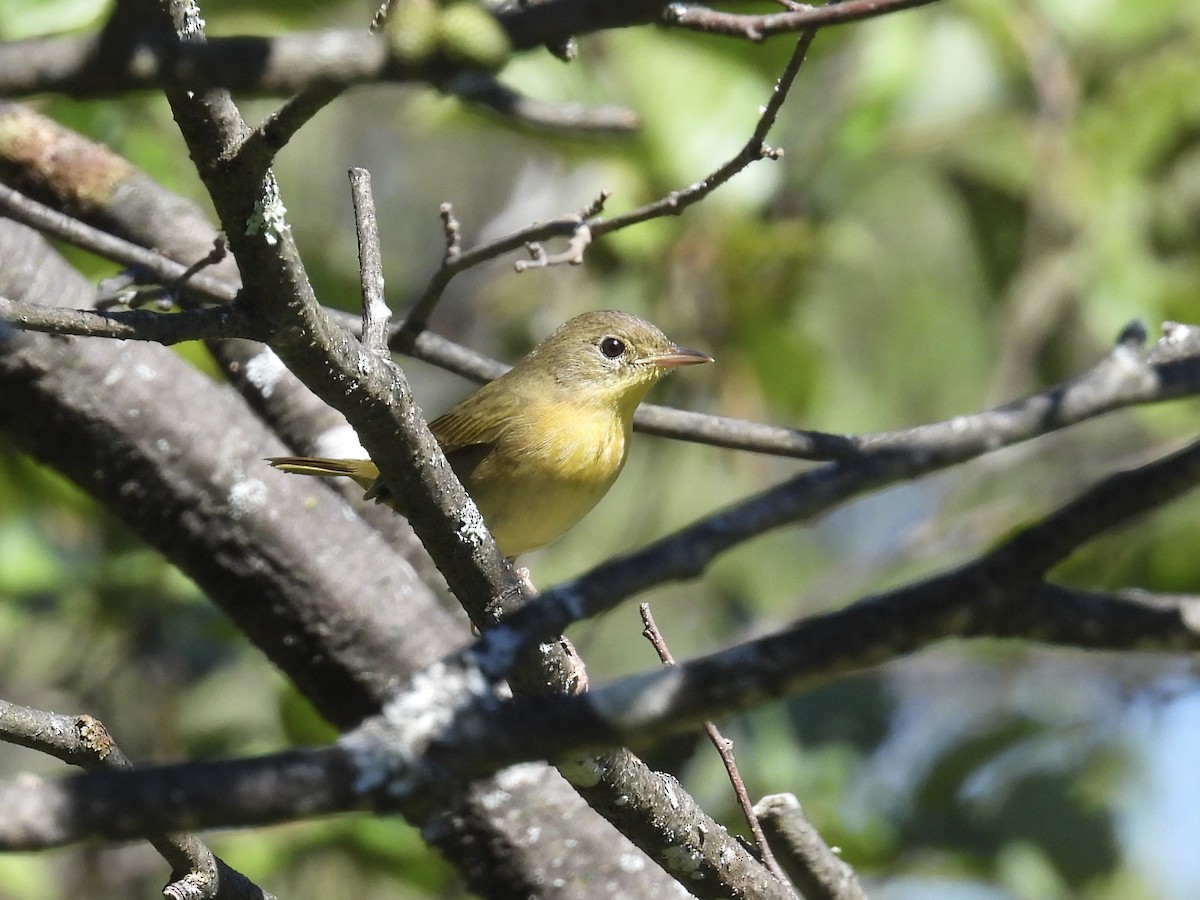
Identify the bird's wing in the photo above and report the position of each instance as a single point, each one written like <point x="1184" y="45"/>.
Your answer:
<point x="481" y="418"/>
<point x="471" y="429"/>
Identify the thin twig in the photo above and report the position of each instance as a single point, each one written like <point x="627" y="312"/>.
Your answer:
<point x="456" y="262"/>
<point x="572" y="255"/>
<point x="50" y="221"/>
<point x="375" y="313"/>
<point x="559" y="119"/>
<point x="752" y="151"/>
<point x="273" y="134"/>
<point x="584" y="226"/>
<point x="452" y="229"/>
<point x="380" y="15"/>
<point x="125" y="288"/>
<point x="220" y="250"/>
<point x="799" y="16"/>
<point x="724" y="750"/>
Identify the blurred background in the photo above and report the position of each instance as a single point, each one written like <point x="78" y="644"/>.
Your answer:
<point x="974" y="199"/>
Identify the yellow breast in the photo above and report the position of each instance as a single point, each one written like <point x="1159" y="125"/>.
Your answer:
<point x="546" y="471"/>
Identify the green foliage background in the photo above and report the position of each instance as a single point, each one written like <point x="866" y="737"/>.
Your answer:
<point x="975" y="197"/>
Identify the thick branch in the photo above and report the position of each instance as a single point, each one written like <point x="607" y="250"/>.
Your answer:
<point x="479" y="825"/>
<point x="195" y="487"/>
<point x="371" y="391"/>
<point x="83" y="741"/>
<point x="819" y="872"/>
<point x="314" y="587"/>
<point x="97" y="65"/>
<point x="447" y="723"/>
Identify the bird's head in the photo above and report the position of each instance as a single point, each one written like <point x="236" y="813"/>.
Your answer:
<point x="610" y="356"/>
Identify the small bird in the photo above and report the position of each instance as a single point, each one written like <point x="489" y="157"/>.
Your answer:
<point x="538" y="447"/>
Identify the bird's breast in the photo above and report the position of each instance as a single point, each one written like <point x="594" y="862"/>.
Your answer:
<point x="565" y="451"/>
<point x="547" y="470"/>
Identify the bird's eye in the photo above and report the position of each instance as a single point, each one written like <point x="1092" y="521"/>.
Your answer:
<point x="612" y="347"/>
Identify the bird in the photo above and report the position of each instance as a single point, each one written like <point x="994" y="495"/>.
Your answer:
<point x="538" y="447"/>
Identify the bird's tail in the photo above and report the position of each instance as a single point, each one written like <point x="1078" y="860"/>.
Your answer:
<point x="363" y="471"/>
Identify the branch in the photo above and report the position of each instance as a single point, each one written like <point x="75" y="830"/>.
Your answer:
<point x="558" y="119"/>
<point x="447" y="722"/>
<point x="214" y="323"/>
<point x="552" y="21"/>
<point x="584" y="226"/>
<point x="724" y="749"/>
<point x="760" y="27"/>
<point x="83" y="741"/>
<point x="87" y="66"/>
<point x="332" y="60"/>
<point x="164" y="270"/>
<point x="375" y="312"/>
<point x="259" y="546"/>
<point x="1169" y="369"/>
<point x="818" y="871"/>
<point x="369" y="389"/>
<point x="753" y="150"/>
<point x="456" y="260"/>
<point x="281" y="125"/>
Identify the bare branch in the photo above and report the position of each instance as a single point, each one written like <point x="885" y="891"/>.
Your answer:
<point x="572" y="255"/>
<point x="280" y="65"/>
<point x="724" y="749"/>
<point x="375" y="312"/>
<point x="452" y="229"/>
<point x="549" y="22"/>
<point x="584" y="226"/>
<point x="798" y="17"/>
<point x="447" y="721"/>
<point x="752" y="151"/>
<point x="817" y="869"/>
<point x="561" y="119"/>
<point x="85" y="742"/>
<point x="654" y="811"/>
<point x="213" y="323"/>
<point x="166" y="271"/>
<point x="273" y="134"/>
<point x="1170" y="369"/>
<point x="331" y="60"/>
<point x="457" y="260"/>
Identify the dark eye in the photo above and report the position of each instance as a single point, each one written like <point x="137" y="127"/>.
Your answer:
<point x="612" y="347"/>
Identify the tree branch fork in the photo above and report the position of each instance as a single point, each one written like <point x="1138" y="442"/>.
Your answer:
<point x="447" y="724"/>
<point x="468" y="727"/>
<point x="454" y="720"/>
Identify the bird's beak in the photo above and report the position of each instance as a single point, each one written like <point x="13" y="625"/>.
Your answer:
<point x="678" y="356"/>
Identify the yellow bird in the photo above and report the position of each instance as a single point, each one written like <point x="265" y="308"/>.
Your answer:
<point x="538" y="447"/>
